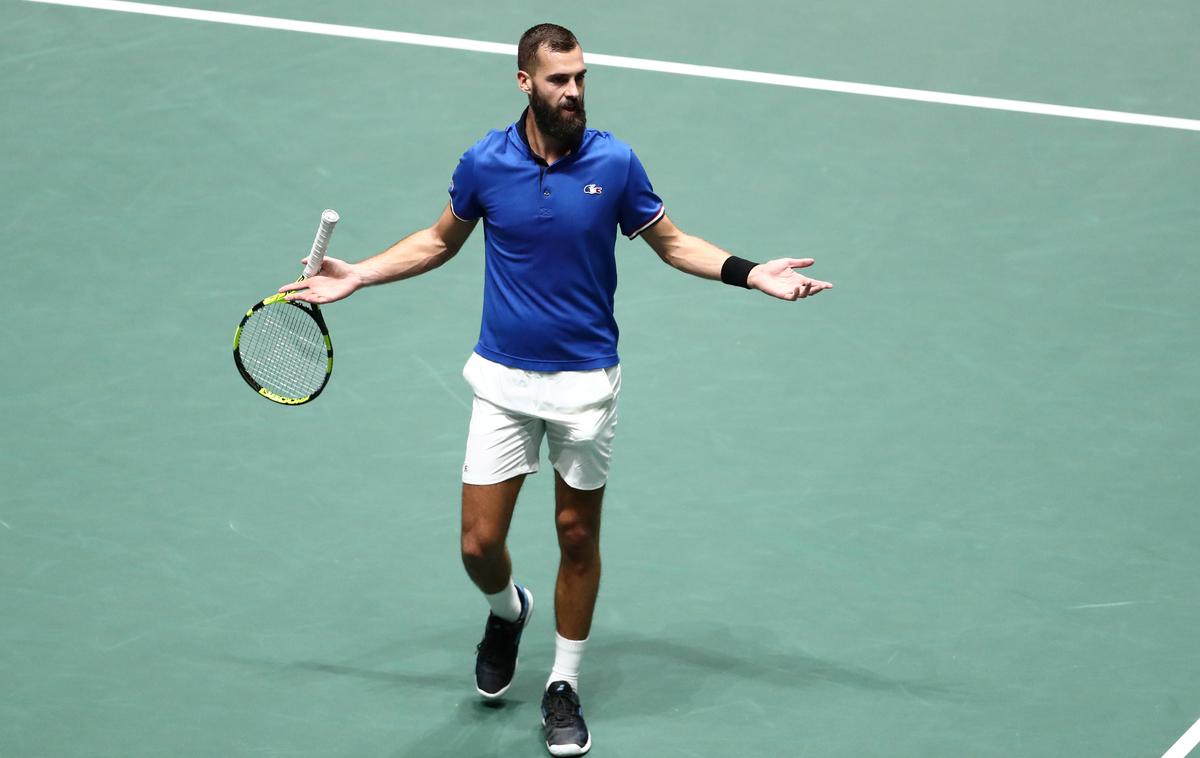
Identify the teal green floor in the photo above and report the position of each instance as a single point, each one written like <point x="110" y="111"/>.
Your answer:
<point x="947" y="509"/>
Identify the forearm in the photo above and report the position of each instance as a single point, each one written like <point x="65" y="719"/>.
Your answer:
<point x="415" y="254"/>
<point x="694" y="255"/>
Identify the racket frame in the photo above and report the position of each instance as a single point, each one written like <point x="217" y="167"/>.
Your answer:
<point x="312" y="310"/>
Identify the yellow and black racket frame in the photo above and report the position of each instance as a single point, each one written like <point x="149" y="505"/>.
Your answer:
<point x="313" y="312"/>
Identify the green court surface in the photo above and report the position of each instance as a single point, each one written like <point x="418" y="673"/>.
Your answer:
<point x="946" y="509"/>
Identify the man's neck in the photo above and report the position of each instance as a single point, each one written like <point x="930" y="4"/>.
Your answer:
<point x="542" y="145"/>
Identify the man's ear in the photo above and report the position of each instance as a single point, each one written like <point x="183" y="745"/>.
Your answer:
<point x="525" y="82"/>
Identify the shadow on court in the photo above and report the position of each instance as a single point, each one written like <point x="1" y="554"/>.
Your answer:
<point x="501" y="729"/>
<point x="468" y="725"/>
<point x="684" y="659"/>
<point x="629" y="675"/>
<point x="690" y="665"/>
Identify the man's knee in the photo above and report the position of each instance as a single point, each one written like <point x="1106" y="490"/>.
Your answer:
<point x="481" y="545"/>
<point x="486" y="512"/>
<point x="578" y="538"/>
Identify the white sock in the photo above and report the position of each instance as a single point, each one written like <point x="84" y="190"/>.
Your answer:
<point x="568" y="655"/>
<point x="505" y="603"/>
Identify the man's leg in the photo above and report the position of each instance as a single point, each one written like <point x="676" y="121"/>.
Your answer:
<point x="577" y="518"/>
<point x="486" y="514"/>
<point x="581" y="451"/>
<point x="487" y="511"/>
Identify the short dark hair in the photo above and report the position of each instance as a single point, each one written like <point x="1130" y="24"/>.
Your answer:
<point x="558" y="38"/>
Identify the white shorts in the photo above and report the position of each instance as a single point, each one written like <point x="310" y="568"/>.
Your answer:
<point x="513" y="409"/>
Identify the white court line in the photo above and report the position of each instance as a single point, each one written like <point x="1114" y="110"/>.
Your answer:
<point x="642" y="64"/>
<point x="1104" y="605"/>
<point x="1184" y="744"/>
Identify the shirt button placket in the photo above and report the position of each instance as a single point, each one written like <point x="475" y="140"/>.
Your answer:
<point x="545" y="211"/>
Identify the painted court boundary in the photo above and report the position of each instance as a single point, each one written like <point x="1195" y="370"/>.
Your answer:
<point x="1186" y="743"/>
<point x="642" y="64"/>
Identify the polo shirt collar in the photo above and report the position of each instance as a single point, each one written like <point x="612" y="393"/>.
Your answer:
<point x="520" y="129"/>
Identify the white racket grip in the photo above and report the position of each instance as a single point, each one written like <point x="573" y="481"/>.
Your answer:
<point x="329" y="219"/>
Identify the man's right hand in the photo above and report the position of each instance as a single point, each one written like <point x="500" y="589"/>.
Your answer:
<point x="337" y="279"/>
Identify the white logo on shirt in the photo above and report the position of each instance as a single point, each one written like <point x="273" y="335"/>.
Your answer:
<point x="593" y="189"/>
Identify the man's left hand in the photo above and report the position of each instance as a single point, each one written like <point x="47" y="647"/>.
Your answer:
<point x="778" y="279"/>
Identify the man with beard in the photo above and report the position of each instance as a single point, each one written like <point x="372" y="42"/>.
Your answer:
<point x="552" y="194"/>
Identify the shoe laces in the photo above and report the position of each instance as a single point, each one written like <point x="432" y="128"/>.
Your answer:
<point x="562" y="706"/>
<point x="498" y="637"/>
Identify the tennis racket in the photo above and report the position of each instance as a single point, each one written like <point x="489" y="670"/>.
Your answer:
<point x="282" y="347"/>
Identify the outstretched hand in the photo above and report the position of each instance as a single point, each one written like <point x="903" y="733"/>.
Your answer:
<point x="778" y="279"/>
<point x="336" y="280"/>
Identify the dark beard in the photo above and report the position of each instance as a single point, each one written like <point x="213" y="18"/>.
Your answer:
<point x="557" y="124"/>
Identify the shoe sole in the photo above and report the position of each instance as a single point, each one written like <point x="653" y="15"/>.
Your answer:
<point x="568" y="750"/>
<point x="516" y="666"/>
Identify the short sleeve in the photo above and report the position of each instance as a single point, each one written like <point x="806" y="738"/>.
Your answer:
<point x="464" y="197"/>
<point x="640" y="207"/>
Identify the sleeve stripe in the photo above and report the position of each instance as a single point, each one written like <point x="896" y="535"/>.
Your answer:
<point x="662" y="209"/>
<point x="460" y="218"/>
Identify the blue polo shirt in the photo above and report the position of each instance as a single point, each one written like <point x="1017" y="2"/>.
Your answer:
<point x="549" y="240"/>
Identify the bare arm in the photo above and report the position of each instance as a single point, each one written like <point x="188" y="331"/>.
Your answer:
<point x="701" y="258"/>
<point x="415" y="254"/>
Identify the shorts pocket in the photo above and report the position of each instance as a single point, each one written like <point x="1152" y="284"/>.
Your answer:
<point x="574" y="391"/>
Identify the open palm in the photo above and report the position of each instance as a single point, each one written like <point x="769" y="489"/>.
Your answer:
<point x="778" y="278"/>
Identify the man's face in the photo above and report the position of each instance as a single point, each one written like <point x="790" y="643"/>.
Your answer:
<point x="556" y="94"/>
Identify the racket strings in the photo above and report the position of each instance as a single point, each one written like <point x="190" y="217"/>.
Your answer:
<point x="283" y="349"/>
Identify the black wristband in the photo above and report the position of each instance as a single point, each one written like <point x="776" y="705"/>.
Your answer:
<point x="736" y="271"/>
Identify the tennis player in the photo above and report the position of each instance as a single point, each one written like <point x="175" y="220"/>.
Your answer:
<point x="552" y="194"/>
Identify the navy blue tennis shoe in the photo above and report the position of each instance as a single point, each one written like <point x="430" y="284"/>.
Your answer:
<point x="496" y="654"/>
<point x="562" y="721"/>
